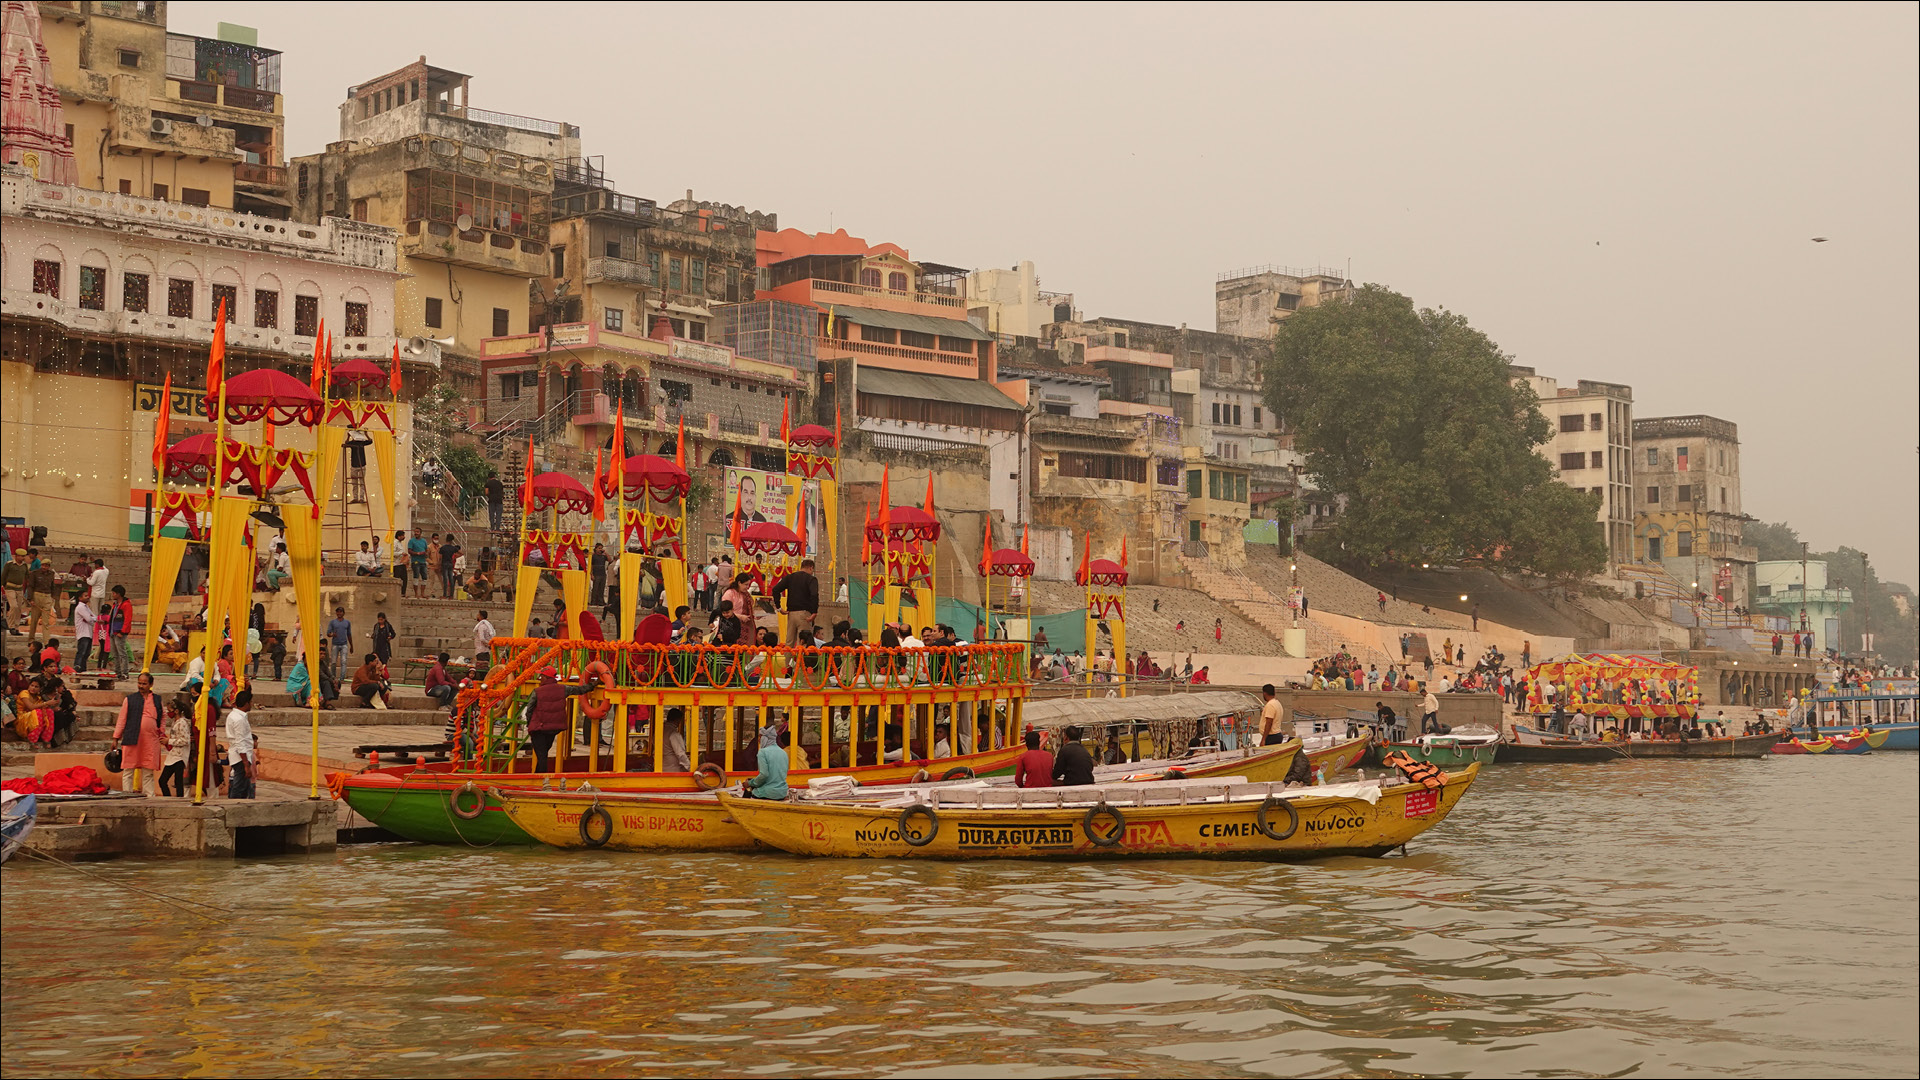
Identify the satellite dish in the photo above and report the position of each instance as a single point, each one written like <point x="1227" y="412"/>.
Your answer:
<point x="203" y="120"/>
<point x="464" y="222"/>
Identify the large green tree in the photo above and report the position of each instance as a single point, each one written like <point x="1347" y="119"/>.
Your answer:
<point x="1412" y="415"/>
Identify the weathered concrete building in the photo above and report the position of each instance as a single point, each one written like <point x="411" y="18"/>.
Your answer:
<point x="1592" y="448"/>
<point x="467" y="189"/>
<point x="160" y="115"/>
<point x="104" y="295"/>
<point x="1688" y="519"/>
<point x="1011" y="303"/>
<point x="1254" y="301"/>
<point x="1800" y="593"/>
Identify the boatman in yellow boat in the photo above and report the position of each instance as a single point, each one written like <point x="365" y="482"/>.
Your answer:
<point x="1271" y="715"/>
<point x="771" y="781"/>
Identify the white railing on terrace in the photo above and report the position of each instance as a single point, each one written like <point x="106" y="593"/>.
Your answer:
<point x="902" y="352"/>
<point x="942" y="299"/>
<point x="509" y="120"/>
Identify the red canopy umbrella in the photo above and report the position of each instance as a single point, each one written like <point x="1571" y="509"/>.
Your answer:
<point x="273" y="396"/>
<point x="905" y="523"/>
<point x="1010" y="562"/>
<point x="190" y="458"/>
<point x="558" y="491"/>
<point x="1104" y="572"/>
<point x="359" y="370"/>
<point x="810" y="435"/>
<point x="769" y="538"/>
<point x="655" y="476"/>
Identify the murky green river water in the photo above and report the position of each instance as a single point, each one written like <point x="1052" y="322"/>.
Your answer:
<point x="1755" y="918"/>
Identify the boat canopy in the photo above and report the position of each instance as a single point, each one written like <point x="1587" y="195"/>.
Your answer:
<point x="1097" y="712"/>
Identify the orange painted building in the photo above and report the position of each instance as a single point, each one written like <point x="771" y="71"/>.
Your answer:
<point x="877" y="306"/>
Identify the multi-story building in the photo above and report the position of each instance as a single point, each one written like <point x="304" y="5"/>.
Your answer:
<point x="1686" y="472"/>
<point x="468" y="190"/>
<point x="1012" y="304"/>
<point x="1800" y="593"/>
<point x="1254" y="301"/>
<point x="155" y="114"/>
<point x="1591" y="446"/>
<point x="104" y="295"/>
<point x="896" y="350"/>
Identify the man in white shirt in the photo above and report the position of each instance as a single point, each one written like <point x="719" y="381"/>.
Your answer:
<point x="673" y="750"/>
<point x="1446" y="684"/>
<point x="279" y="567"/>
<point x="482" y="640"/>
<point x="840" y="594"/>
<point x="1429" y="713"/>
<point x="366" y="563"/>
<point x="241" y="759"/>
<point x="97" y="584"/>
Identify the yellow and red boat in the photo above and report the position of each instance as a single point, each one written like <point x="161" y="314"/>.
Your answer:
<point x="623" y="821"/>
<point x="1175" y="819"/>
<point x="843" y="707"/>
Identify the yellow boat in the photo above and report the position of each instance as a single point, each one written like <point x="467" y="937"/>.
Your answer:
<point x="1260" y="764"/>
<point x="1178" y="819"/>
<point x="624" y="821"/>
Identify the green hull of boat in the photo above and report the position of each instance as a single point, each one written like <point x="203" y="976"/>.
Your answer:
<point x="1446" y="757"/>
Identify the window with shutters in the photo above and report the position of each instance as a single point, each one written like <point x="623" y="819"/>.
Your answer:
<point x="356" y="319"/>
<point x="615" y="318"/>
<point x="870" y="278"/>
<point x="1653" y="495"/>
<point x="179" y="298"/>
<point x="1193" y="483"/>
<point x="1573" y="462"/>
<point x="432" y="314"/>
<point x="46" y="277"/>
<point x="93" y="288"/>
<point x="135" y="292"/>
<point x="1573" y="422"/>
<point x="1684" y="493"/>
<point x="306" y="315"/>
<point x="266" y="308"/>
<point x="499" y="322"/>
<point x="228" y="295"/>
<point x="1597" y="459"/>
<point x="897" y="282"/>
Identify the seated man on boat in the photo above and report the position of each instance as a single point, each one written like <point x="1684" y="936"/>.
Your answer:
<point x="1073" y="766"/>
<point x="771" y="781"/>
<point x="1034" y="768"/>
<point x="673" y="751"/>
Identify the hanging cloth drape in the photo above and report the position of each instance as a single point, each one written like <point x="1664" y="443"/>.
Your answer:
<point x="525" y="581"/>
<point x="573" y="589"/>
<point x="673" y="575"/>
<point x="830" y="509"/>
<point x="303" y="550"/>
<point x="629" y="592"/>
<point x="389" y="496"/>
<point x="326" y="464"/>
<point x="168" y="551"/>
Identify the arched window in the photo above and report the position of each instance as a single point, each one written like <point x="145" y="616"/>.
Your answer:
<point x="897" y="282"/>
<point x="721" y="456"/>
<point x="870" y="277"/>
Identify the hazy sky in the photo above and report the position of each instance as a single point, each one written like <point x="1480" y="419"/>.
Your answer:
<point x="1623" y="193"/>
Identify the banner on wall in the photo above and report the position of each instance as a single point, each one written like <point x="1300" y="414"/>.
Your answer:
<point x="763" y="497"/>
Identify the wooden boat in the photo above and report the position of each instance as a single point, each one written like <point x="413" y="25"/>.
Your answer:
<point x="1735" y="746"/>
<point x="1185" y="819"/>
<point x="1556" y="751"/>
<point x="16" y="821"/>
<point x="1255" y="764"/>
<point x="1801" y="746"/>
<point x="624" y="821"/>
<point x="833" y="701"/>
<point x="1468" y="746"/>
<point x="1856" y="744"/>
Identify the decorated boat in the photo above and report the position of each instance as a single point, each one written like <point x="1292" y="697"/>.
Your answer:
<point x="1850" y="744"/>
<point x="17" y="815"/>
<point x="1464" y="746"/>
<point x="1637" y="692"/>
<point x="1180" y="819"/>
<point x="714" y="700"/>
<point x="624" y="821"/>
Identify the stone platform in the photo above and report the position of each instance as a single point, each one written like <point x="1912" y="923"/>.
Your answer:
<point x="217" y="828"/>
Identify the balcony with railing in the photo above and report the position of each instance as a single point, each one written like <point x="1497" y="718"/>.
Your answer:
<point x="903" y="357"/>
<point x="233" y="97"/>
<point x="1740" y="553"/>
<point x="507" y="120"/>
<point x="1104" y="427"/>
<point x="627" y="271"/>
<point x="273" y="176"/>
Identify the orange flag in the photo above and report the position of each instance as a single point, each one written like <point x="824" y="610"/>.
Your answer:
<point x="986" y="552"/>
<point x="929" y="506"/>
<point x="1023" y="542"/>
<point x="217" y="361"/>
<point x="1086" y="557"/>
<point x="886" y="501"/>
<point x="393" y="376"/>
<point x="526" y="483"/>
<point x="318" y="380"/>
<point x="680" y="446"/>
<point x="160" y="426"/>
<point x="786" y="433"/>
<point x="620" y="440"/>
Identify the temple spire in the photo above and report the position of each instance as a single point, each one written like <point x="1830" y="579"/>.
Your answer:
<point x="33" y="130"/>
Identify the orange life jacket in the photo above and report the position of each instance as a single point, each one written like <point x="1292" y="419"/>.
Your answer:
<point x="1424" y="773"/>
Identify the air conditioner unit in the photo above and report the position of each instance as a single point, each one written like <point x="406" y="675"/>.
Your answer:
<point x="160" y="125"/>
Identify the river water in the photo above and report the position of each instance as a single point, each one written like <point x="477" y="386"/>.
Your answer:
<point x="1745" y="917"/>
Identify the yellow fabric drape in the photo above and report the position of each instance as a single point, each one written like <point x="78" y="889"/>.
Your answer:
<point x="673" y="574"/>
<point x="240" y="596"/>
<point x="389" y="491"/>
<point x="525" y="581"/>
<point x="229" y="526"/>
<point x="629" y="592"/>
<point x="876" y="610"/>
<point x="830" y="509"/>
<point x="925" y="615"/>
<point x="327" y="441"/>
<point x="303" y="550"/>
<point x="1119" y="651"/>
<point x="167" y="554"/>
<point x="573" y="589"/>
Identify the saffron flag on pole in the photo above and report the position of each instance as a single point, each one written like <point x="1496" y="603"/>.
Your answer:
<point x="217" y="359"/>
<point x="526" y="480"/>
<point x="599" y="487"/>
<point x="393" y="376"/>
<point x="160" y="428"/>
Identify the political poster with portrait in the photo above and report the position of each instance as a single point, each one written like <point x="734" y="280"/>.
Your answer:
<point x="762" y="496"/>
